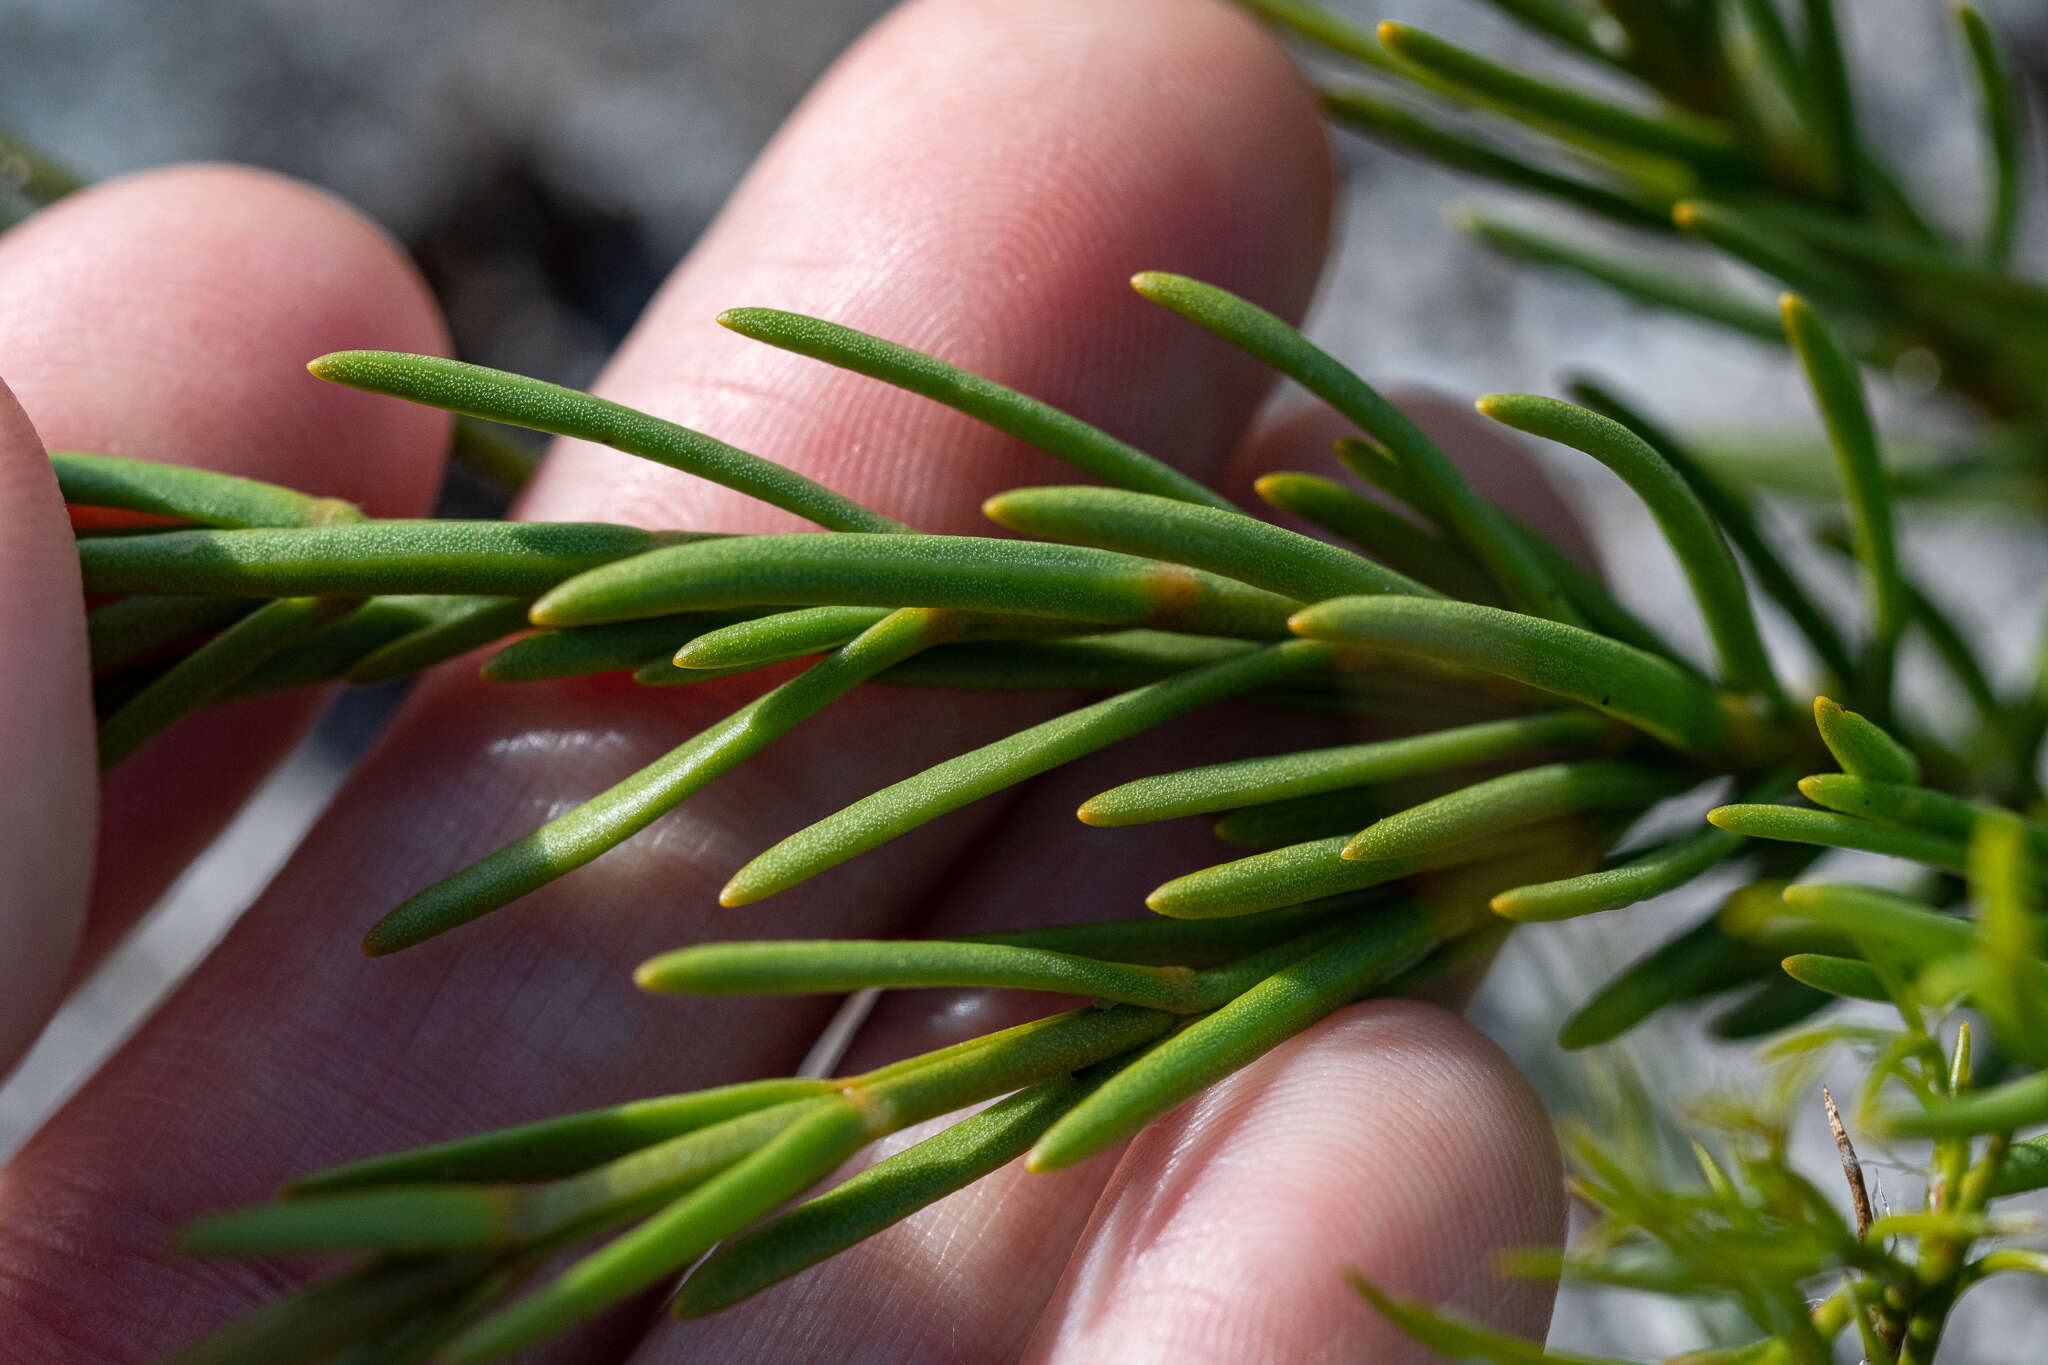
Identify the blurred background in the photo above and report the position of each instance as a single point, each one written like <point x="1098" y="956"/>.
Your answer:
<point x="547" y="163"/>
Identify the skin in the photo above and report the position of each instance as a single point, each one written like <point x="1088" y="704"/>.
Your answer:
<point x="976" y="179"/>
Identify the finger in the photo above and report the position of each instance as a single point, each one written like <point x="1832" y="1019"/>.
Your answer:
<point x="169" y="316"/>
<point x="1102" y="138"/>
<point x="1392" y="1139"/>
<point x="993" y="1252"/>
<point x="46" y="802"/>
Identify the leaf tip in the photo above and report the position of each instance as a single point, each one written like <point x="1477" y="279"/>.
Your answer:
<point x="381" y="941"/>
<point x="546" y="612"/>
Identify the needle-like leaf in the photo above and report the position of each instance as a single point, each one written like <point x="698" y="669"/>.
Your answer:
<point x="2016" y="1104"/>
<point x="1663" y="868"/>
<point x="1306" y="819"/>
<point x="1702" y="959"/>
<point x="2000" y="113"/>
<point x="1830" y="99"/>
<point x="203" y="496"/>
<point x="1462" y="151"/>
<point x="778" y="636"/>
<point x="362" y="559"/>
<point x="1454" y="1338"/>
<point x="316" y="1322"/>
<point x="1734" y="515"/>
<point x="1862" y="746"/>
<point x="517" y="401"/>
<point x="1646" y="691"/>
<point x="667" y="1242"/>
<point x="1844" y="976"/>
<point x="1650" y="281"/>
<point x="1839" y="394"/>
<point x="207" y="673"/>
<point x="1174" y="942"/>
<point x="1706" y="143"/>
<point x="833" y="966"/>
<point x="2005" y="884"/>
<point x="1305" y="872"/>
<point x="553" y="1149"/>
<point x="1065" y="438"/>
<point x="130" y="630"/>
<point x="1709" y="564"/>
<point x="1447" y="496"/>
<point x="1549" y="791"/>
<point x="967" y="573"/>
<point x="877" y="1198"/>
<point x="467" y="624"/>
<point x="823" y="1134"/>
<point x="612" y="648"/>
<point x="1390" y="537"/>
<point x="1922" y="808"/>
<point x="1795" y="824"/>
<point x="1096" y="663"/>
<point x="1223" y="542"/>
<point x="1239" y="1033"/>
<point x="1865" y="914"/>
<point x="899" y="808"/>
<point x="1307" y="772"/>
<point x="615" y="815"/>
<point x="1774" y="251"/>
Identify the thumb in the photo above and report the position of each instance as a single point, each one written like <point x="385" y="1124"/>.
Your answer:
<point x="48" y="810"/>
<point x="1393" y="1139"/>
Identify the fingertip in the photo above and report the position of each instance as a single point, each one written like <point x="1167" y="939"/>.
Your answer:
<point x="1082" y="142"/>
<point x="206" y="288"/>
<point x="1392" y="1140"/>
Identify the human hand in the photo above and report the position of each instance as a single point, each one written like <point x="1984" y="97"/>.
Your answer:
<point x="977" y="180"/>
